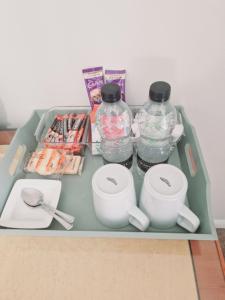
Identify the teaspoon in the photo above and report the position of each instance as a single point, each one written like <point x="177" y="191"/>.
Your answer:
<point x="33" y="197"/>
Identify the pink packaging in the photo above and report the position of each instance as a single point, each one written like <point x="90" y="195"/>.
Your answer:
<point x="94" y="80"/>
<point x="116" y="76"/>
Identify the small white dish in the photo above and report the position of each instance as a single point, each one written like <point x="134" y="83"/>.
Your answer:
<point x="16" y="214"/>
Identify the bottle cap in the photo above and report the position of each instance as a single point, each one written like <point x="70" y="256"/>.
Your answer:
<point x="110" y="92"/>
<point x="159" y="91"/>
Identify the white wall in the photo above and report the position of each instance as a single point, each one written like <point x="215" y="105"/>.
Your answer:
<point x="44" y="45"/>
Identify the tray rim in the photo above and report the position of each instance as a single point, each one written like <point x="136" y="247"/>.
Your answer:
<point x="108" y="234"/>
<point x="123" y="234"/>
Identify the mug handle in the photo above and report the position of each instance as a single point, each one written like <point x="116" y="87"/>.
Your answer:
<point x="187" y="219"/>
<point x="138" y="219"/>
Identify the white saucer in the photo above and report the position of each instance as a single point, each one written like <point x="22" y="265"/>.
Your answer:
<point x="16" y="214"/>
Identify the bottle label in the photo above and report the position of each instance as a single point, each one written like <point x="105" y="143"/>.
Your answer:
<point x="115" y="127"/>
<point x="144" y="165"/>
<point x="156" y="127"/>
<point x="126" y="163"/>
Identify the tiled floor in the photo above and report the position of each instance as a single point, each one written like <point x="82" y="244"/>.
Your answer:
<point x="221" y="236"/>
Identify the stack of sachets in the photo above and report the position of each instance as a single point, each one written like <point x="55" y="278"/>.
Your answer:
<point x="52" y="161"/>
<point x="64" y="145"/>
<point x="67" y="132"/>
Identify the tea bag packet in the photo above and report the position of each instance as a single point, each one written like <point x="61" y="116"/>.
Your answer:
<point x="45" y="162"/>
<point x="32" y="162"/>
<point x="118" y="77"/>
<point x="53" y="161"/>
<point x="72" y="163"/>
<point x="94" y="80"/>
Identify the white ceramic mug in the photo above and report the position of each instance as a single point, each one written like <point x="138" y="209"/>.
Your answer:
<point x="115" y="198"/>
<point x="163" y="196"/>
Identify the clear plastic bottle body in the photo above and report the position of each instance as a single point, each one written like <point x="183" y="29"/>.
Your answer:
<point x="156" y="122"/>
<point x="114" y="124"/>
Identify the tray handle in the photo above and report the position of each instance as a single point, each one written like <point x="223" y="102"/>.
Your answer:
<point x="191" y="161"/>
<point x="17" y="159"/>
<point x="39" y="130"/>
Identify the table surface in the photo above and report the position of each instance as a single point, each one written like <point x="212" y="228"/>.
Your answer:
<point x="95" y="268"/>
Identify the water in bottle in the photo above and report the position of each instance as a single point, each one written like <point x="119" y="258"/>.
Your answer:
<point x="114" y="119"/>
<point x="156" y="120"/>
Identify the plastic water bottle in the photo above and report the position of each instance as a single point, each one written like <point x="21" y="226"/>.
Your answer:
<point x="156" y="120"/>
<point x="114" y="119"/>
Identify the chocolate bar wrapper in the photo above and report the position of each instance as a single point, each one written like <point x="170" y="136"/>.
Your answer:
<point x="94" y="81"/>
<point x="117" y="76"/>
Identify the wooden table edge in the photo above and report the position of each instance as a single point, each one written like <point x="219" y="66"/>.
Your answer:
<point x="221" y="256"/>
<point x="208" y="268"/>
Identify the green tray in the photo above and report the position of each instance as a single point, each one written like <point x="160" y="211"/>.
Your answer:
<point x="76" y="196"/>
